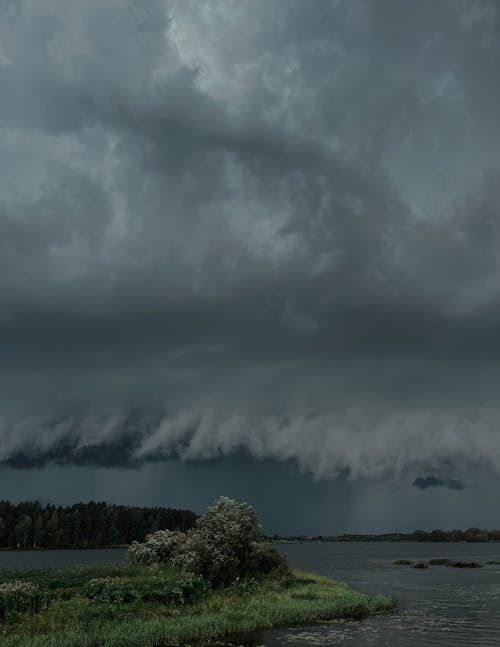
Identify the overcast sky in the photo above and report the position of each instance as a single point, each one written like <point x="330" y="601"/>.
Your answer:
<point x="248" y="244"/>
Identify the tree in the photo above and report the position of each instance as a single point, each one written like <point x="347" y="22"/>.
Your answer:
<point x="83" y="524"/>
<point x="38" y="533"/>
<point x="51" y="527"/>
<point x="22" y="530"/>
<point x="221" y="546"/>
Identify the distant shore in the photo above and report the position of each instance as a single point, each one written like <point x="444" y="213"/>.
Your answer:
<point x="472" y="535"/>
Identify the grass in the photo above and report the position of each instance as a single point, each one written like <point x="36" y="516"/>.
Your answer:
<point x="71" y="618"/>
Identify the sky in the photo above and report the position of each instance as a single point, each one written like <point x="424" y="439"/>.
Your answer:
<point x="252" y="249"/>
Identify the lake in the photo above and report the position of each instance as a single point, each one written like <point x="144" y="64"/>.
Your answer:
<point x="46" y="558"/>
<point x="439" y="606"/>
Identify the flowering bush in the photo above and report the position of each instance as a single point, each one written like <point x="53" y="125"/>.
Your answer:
<point x="222" y="548"/>
<point x="158" y="548"/>
<point x="19" y="597"/>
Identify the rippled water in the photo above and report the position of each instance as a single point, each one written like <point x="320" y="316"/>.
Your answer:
<point x="438" y="606"/>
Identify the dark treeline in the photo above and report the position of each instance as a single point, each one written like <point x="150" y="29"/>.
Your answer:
<point x="470" y="535"/>
<point x="83" y="525"/>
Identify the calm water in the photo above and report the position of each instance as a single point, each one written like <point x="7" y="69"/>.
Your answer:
<point x="45" y="558"/>
<point x="439" y="606"/>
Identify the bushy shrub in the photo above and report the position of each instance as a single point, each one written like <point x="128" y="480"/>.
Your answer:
<point x="222" y="546"/>
<point x="266" y="560"/>
<point x="19" y="597"/>
<point x="158" y="548"/>
<point x="178" y="590"/>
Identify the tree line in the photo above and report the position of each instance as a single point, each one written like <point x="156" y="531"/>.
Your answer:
<point x="470" y="535"/>
<point x="84" y="525"/>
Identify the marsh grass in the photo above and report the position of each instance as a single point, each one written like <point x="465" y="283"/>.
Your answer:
<point x="77" y="621"/>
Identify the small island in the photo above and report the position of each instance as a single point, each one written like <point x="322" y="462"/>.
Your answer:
<point x="217" y="579"/>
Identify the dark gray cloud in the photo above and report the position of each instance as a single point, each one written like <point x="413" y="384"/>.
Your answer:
<point x="250" y="227"/>
<point x="426" y="482"/>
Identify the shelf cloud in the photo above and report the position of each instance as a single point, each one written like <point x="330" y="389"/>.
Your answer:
<point x="251" y="227"/>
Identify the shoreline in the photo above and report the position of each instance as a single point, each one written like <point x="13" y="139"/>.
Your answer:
<point x="378" y="540"/>
<point x="71" y="619"/>
<point x="305" y="540"/>
<point x="51" y="549"/>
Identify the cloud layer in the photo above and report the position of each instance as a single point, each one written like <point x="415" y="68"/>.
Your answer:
<point x="250" y="226"/>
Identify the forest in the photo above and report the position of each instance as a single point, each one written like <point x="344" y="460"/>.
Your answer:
<point x="84" y="525"/>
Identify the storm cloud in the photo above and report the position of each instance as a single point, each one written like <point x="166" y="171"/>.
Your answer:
<point x="269" y="227"/>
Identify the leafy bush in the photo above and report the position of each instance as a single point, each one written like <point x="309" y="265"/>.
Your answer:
<point x="221" y="548"/>
<point x="266" y="560"/>
<point x="19" y="597"/>
<point x="178" y="590"/>
<point x="158" y="548"/>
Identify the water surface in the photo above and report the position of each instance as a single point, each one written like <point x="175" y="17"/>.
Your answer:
<point x="46" y="558"/>
<point x="438" y="606"/>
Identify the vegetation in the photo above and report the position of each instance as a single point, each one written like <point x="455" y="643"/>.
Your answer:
<point x="465" y="565"/>
<point x="223" y="547"/>
<point x="153" y="606"/>
<point x="439" y="562"/>
<point x="84" y="525"/>
<point x="216" y="579"/>
<point x="18" y="596"/>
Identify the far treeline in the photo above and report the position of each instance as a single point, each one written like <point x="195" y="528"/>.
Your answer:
<point x="470" y="535"/>
<point x="84" y="525"/>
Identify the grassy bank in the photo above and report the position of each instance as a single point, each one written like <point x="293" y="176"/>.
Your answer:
<point x="122" y="606"/>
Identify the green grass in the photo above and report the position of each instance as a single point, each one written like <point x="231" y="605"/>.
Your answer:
<point x="69" y="619"/>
